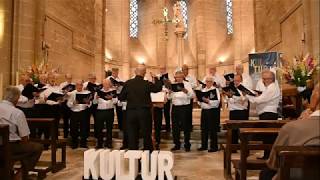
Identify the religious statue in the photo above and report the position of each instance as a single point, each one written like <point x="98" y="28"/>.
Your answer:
<point x="177" y="17"/>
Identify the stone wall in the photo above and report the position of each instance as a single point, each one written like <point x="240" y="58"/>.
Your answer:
<point x="288" y="26"/>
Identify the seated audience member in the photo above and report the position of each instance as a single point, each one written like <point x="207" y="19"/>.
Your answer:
<point x="302" y="132"/>
<point x="21" y="148"/>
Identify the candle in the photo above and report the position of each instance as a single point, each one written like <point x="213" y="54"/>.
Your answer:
<point x="1" y="86"/>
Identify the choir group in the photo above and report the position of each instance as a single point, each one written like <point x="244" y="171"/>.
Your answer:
<point x="76" y="102"/>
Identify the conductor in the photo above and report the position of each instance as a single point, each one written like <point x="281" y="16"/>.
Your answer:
<point x="136" y="92"/>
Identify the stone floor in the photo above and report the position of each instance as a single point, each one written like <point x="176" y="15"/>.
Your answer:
<point x="192" y="165"/>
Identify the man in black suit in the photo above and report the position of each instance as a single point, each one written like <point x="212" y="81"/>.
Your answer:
<point x="137" y="93"/>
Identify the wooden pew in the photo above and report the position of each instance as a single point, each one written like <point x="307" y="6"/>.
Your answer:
<point x="242" y="165"/>
<point x="305" y="158"/>
<point x="54" y="142"/>
<point x="230" y="125"/>
<point x="5" y="157"/>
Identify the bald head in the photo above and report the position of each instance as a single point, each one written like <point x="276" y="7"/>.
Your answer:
<point x="141" y="70"/>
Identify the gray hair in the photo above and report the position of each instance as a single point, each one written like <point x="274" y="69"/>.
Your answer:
<point x="11" y="94"/>
<point x="267" y="71"/>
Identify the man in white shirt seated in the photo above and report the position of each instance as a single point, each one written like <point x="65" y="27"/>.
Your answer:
<point x="180" y="112"/>
<point x="302" y="132"/>
<point x="20" y="146"/>
<point x="210" y="117"/>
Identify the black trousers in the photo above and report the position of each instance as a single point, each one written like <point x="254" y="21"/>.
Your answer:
<point x="66" y="114"/>
<point x="139" y="120"/>
<point x="92" y="111"/>
<point x="80" y="121"/>
<point x="104" y="119"/>
<point x="119" y="116"/>
<point x="237" y="115"/>
<point x="28" y="153"/>
<point x="166" y="112"/>
<point x="125" y="131"/>
<point x="157" y="124"/>
<point x="180" y="121"/>
<point x="271" y="139"/>
<point x="190" y="114"/>
<point x="209" y="127"/>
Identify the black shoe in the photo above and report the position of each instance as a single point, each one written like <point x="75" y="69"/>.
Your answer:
<point x="175" y="148"/>
<point x="123" y="147"/>
<point x="157" y="147"/>
<point x="74" y="146"/>
<point x="109" y="146"/>
<point x="212" y="150"/>
<point x="187" y="149"/>
<point x="84" y="146"/>
<point x="202" y="149"/>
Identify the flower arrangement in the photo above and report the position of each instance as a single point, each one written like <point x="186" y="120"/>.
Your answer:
<point x="35" y="71"/>
<point x="301" y="71"/>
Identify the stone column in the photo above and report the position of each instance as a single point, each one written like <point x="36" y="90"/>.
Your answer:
<point x="180" y="46"/>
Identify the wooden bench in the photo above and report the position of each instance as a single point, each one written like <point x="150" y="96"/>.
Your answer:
<point x="54" y="142"/>
<point x="230" y="125"/>
<point x="5" y="157"/>
<point x="243" y="164"/>
<point x="305" y="158"/>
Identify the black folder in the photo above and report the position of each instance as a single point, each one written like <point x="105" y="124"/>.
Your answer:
<point x="69" y="87"/>
<point x="231" y="89"/>
<point x="82" y="98"/>
<point x="115" y="82"/>
<point x="93" y="87"/>
<point x="202" y="84"/>
<point x="212" y="95"/>
<point x="55" y="96"/>
<point x="164" y="77"/>
<point x="40" y="85"/>
<point x="177" y="87"/>
<point x="104" y="95"/>
<point x="259" y="92"/>
<point x="245" y="90"/>
<point x="229" y="77"/>
<point x="28" y="91"/>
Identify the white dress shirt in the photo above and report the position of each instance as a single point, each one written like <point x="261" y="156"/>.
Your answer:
<point x="15" y="118"/>
<point x="238" y="102"/>
<point x="212" y="103"/>
<point x="72" y="101"/>
<point x="181" y="98"/>
<point x="105" y="104"/>
<point x="192" y="81"/>
<point x="46" y="93"/>
<point x="268" y="101"/>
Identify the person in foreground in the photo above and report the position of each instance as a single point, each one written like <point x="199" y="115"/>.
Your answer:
<point x="21" y="148"/>
<point x="302" y="132"/>
<point x="137" y="92"/>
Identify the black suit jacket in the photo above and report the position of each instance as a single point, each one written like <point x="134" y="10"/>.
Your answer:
<point x="137" y="91"/>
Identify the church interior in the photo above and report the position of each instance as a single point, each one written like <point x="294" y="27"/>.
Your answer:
<point x="54" y="41"/>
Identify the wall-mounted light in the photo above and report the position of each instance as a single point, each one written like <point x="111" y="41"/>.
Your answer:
<point x="141" y="60"/>
<point x="107" y="56"/>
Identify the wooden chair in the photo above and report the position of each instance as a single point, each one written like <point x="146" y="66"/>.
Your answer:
<point x="5" y="157"/>
<point x="302" y="157"/>
<point x="230" y="125"/>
